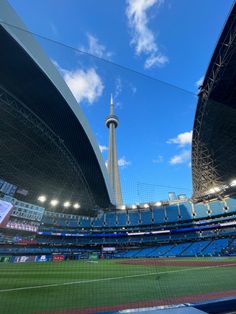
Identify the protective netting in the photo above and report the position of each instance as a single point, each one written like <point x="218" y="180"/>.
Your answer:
<point x="65" y="247"/>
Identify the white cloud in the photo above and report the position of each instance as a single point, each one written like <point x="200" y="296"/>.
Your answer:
<point x="181" y="158"/>
<point x="103" y="148"/>
<point x="155" y="60"/>
<point x="182" y="139"/>
<point x="122" y="162"/>
<point x="85" y="85"/>
<point x="143" y="39"/>
<point x="118" y="104"/>
<point x="199" y="82"/>
<point x="158" y="160"/>
<point x="118" y="87"/>
<point x="133" y="89"/>
<point x="96" y="48"/>
<point x="54" y="29"/>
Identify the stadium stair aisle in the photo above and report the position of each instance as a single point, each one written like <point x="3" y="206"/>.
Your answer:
<point x="136" y="254"/>
<point x="176" y="250"/>
<point x="161" y="250"/>
<point x="145" y="252"/>
<point x="150" y="253"/>
<point x="190" y="244"/>
<point x="215" y="247"/>
<point x="230" y="248"/>
<point x="195" y="248"/>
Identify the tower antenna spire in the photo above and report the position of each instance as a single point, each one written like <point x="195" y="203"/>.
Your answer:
<point x="111" y="106"/>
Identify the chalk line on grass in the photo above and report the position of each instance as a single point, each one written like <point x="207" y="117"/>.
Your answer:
<point x="113" y="278"/>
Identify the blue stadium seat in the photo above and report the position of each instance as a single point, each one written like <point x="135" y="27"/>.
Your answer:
<point x="177" y="249"/>
<point x="85" y="222"/>
<point x="122" y="218"/>
<point x="110" y="219"/>
<point x="99" y="221"/>
<point x="215" y="247"/>
<point x="131" y="253"/>
<point x="146" y="217"/>
<point x="195" y="248"/>
<point x="216" y="207"/>
<point x="145" y="252"/>
<point x="161" y="250"/>
<point x="133" y="217"/>
<point x="186" y="211"/>
<point x="73" y="223"/>
<point x="159" y="215"/>
<point x="201" y="210"/>
<point x="231" y="203"/>
<point x="172" y="213"/>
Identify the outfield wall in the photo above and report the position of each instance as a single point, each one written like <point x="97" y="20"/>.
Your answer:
<point x="89" y="255"/>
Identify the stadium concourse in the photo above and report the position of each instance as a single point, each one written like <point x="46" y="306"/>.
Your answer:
<point x="185" y="249"/>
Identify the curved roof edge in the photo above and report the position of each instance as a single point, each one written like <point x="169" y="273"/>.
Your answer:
<point x="30" y="45"/>
<point x="219" y="41"/>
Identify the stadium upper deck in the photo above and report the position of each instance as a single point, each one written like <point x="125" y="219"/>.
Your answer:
<point x="47" y="146"/>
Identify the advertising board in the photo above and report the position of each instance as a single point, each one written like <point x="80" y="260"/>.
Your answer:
<point x="42" y="258"/>
<point x="5" y="212"/>
<point x="23" y="259"/>
<point x="58" y="258"/>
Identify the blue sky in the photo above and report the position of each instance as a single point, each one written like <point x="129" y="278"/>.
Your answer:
<point x="170" y="40"/>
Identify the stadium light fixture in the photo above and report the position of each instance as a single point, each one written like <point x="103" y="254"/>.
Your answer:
<point x="146" y="205"/>
<point x="233" y="183"/>
<point x="54" y="202"/>
<point x="213" y="190"/>
<point x="67" y="204"/>
<point x="76" y="205"/>
<point x="225" y="186"/>
<point x="158" y="204"/>
<point x="42" y="198"/>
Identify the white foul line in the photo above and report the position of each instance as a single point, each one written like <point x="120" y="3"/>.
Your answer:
<point x="114" y="278"/>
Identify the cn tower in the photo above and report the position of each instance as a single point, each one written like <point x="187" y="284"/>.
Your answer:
<point x="112" y="122"/>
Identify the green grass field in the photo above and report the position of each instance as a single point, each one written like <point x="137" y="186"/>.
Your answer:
<point x="56" y="286"/>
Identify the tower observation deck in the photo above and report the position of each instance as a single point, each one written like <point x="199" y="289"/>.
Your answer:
<point x="112" y="122"/>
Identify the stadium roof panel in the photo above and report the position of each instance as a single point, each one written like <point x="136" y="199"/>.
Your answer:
<point x="48" y="147"/>
<point x="214" y="134"/>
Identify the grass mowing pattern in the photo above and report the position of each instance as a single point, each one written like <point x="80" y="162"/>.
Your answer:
<point x="166" y="283"/>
